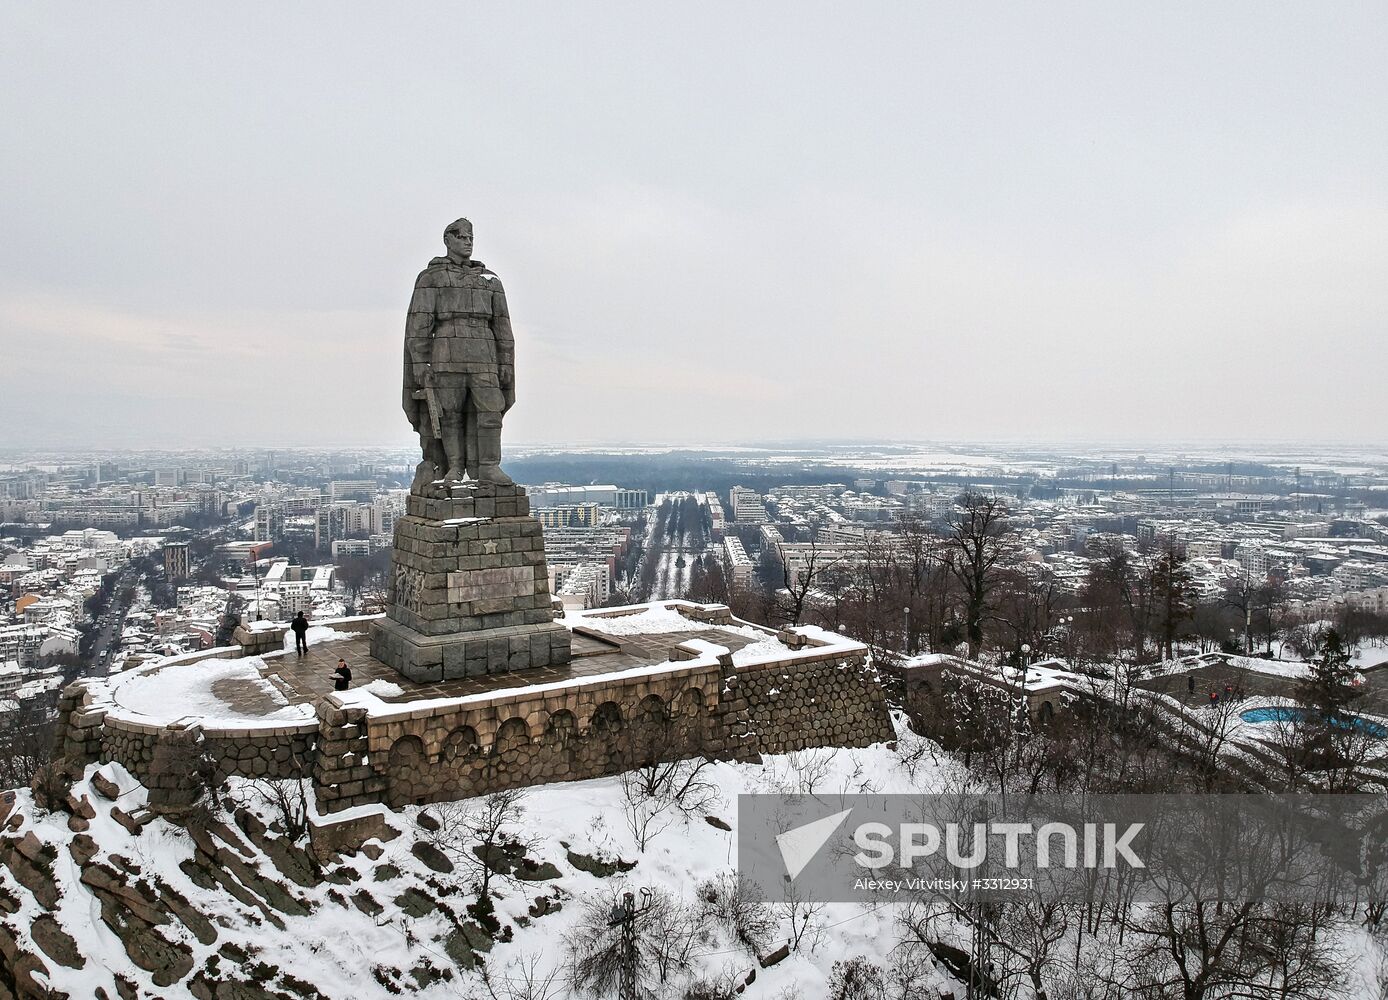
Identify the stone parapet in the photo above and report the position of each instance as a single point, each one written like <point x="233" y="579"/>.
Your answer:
<point x="342" y="775"/>
<point x="77" y="736"/>
<point x="268" y="637"/>
<point x="176" y="778"/>
<point x="700" y="703"/>
<point x="713" y="614"/>
<point x="269" y="751"/>
<point x="257" y="641"/>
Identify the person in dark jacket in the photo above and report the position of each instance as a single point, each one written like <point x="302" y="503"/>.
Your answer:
<point x="342" y="676"/>
<point x="299" y="626"/>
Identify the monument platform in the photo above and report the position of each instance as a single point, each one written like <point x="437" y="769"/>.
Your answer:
<point x="656" y="682"/>
<point x="469" y="587"/>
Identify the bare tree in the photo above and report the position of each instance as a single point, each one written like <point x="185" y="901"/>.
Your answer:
<point x="802" y="917"/>
<point x="524" y="978"/>
<point x="477" y="832"/>
<point x="801" y="582"/>
<point x="1214" y="727"/>
<point x="647" y="815"/>
<point x="285" y="798"/>
<point x="26" y="743"/>
<point x="920" y="575"/>
<point x="1120" y="581"/>
<point x="1026" y="606"/>
<point x="668" y="777"/>
<point x="974" y="548"/>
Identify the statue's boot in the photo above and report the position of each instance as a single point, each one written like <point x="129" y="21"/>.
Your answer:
<point x="456" y="451"/>
<point x="470" y="463"/>
<point x="493" y="474"/>
<point x="488" y="468"/>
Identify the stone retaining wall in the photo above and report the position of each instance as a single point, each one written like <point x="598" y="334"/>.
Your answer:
<point x="265" y="752"/>
<point x="926" y="695"/>
<point x="824" y="694"/>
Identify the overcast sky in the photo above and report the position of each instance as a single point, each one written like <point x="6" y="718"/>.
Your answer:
<point x="715" y="222"/>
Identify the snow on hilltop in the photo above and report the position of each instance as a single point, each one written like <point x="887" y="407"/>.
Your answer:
<point x="160" y="696"/>
<point x="240" y="904"/>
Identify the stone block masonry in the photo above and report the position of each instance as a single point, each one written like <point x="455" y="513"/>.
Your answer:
<point x="824" y="693"/>
<point x="176" y="760"/>
<point x="469" y="589"/>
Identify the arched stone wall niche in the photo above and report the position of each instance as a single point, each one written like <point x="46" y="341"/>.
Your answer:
<point x="513" y="734"/>
<point x="460" y="745"/>
<point x="607" y="720"/>
<point x="407" y="750"/>
<point x="689" y="703"/>
<point x="561" y="729"/>
<point x="408" y="773"/>
<point x="651" y="710"/>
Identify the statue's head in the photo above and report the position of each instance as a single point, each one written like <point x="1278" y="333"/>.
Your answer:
<point x="458" y="239"/>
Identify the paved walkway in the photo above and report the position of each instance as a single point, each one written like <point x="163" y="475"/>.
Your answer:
<point x="305" y="679"/>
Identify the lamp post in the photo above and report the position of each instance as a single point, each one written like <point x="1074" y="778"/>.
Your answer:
<point x="906" y="636"/>
<point x="1026" y="654"/>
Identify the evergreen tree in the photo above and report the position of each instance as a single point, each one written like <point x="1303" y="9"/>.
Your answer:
<point x="1171" y="587"/>
<point x="1329" y="690"/>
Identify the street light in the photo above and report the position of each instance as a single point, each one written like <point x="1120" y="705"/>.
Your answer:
<point x="906" y="640"/>
<point x="1026" y="654"/>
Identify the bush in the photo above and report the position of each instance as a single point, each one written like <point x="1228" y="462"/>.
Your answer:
<point x="856" y="979"/>
<point x="747" y="922"/>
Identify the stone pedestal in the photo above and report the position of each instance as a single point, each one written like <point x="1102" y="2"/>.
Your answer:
<point x="469" y="589"/>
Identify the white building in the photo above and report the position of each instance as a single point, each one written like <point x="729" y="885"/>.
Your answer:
<point x="738" y="565"/>
<point x="562" y="495"/>
<point x="748" y="506"/>
<point x="581" y="585"/>
<point x="10" y="679"/>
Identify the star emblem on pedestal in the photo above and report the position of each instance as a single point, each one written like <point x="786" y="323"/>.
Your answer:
<point x="490" y="548"/>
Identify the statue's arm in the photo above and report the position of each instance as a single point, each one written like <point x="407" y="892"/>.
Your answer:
<point x="419" y="325"/>
<point x="505" y="344"/>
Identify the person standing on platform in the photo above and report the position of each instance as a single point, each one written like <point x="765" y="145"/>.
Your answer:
<point x="299" y="626"/>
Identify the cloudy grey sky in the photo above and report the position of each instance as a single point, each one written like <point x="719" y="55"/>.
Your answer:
<point x="715" y="222"/>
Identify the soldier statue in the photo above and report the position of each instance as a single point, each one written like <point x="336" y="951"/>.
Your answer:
<point x="459" y="365"/>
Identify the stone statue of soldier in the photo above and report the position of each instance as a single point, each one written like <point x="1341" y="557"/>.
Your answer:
<point x="459" y="365"/>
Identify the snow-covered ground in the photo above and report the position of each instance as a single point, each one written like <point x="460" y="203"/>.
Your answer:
<point x="379" y="914"/>
<point x="316" y="634"/>
<point x="208" y="689"/>
<point x="659" y="620"/>
<point x="337" y="945"/>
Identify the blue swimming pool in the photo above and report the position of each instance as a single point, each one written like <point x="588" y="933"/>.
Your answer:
<point x="1282" y="713"/>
